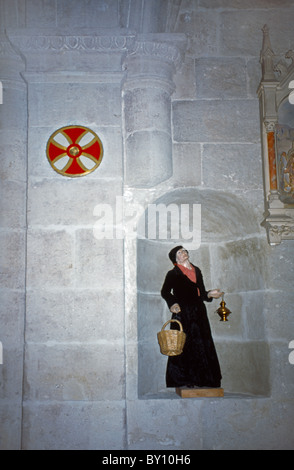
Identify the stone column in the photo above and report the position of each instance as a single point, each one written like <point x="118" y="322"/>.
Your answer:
<point x="267" y="98"/>
<point x="150" y="64"/>
<point x="147" y="90"/>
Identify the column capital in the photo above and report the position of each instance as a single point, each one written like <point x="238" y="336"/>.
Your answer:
<point x="270" y="125"/>
<point x="164" y="47"/>
<point x="153" y="59"/>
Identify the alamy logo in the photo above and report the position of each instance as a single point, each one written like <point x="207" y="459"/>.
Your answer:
<point x="154" y="222"/>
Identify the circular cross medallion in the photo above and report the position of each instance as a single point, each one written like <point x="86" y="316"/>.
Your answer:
<point x="74" y="151"/>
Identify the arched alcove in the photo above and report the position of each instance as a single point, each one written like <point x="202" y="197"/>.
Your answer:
<point x="232" y="257"/>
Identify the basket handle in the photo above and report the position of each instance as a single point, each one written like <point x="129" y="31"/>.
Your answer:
<point x="169" y="321"/>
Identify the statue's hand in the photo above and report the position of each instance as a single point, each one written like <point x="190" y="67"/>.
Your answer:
<point x="175" y="308"/>
<point x="215" y="293"/>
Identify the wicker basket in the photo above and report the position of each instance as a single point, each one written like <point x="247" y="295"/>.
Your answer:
<point x="171" y="342"/>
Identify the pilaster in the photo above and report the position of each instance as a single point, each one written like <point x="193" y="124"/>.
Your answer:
<point x="13" y="194"/>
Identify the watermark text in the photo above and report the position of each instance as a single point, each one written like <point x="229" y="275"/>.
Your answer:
<point x="130" y="220"/>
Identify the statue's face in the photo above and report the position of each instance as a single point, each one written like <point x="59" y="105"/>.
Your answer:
<point x="182" y="255"/>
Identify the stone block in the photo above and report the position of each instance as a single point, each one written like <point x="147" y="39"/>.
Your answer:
<point x="89" y="14"/>
<point x="13" y="114"/>
<point x="201" y="258"/>
<point x="278" y="314"/>
<point x="74" y="426"/>
<point x="263" y="423"/>
<point x="253" y="76"/>
<point x="10" y="417"/>
<point x="81" y="315"/>
<point x="245" y="366"/>
<point x="254" y="315"/>
<point x="69" y="104"/>
<point x="150" y="17"/>
<point x="71" y="13"/>
<point x="151" y="368"/>
<point x="246" y="27"/>
<point x="150" y="275"/>
<point x="148" y="158"/>
<point x="216" y="121"/>
<point x="281" y="267"/>
<point x="89" y="58"/>
<point x="12" y="310"/>
<point x="187" y="168"/>
<point x="151" y="317"/>
<point x="99" y="263"/>
<point x="147" y="108"/>
<point x="175" y="425"/>
<point x="41" y="13"/>
<point x="8" y="17"/>
<point x="221" y="78"/>
<point x="184" y="80"/>
<point x="50" y="258"/>
<point x="282" y="370"/>
<point x="12" y="205"/>
<point x="245" y="4"/>
<point x="70" y="201"/>
<point x="11" y="373"/>
<point x="234" y="260"/>
<point x="232" y="166"/>
<point x="12" y="259"/>
<point x="74" y="371"/>
<point x="12" y="153"/>
<point x="79" y="14"/>
<point x="202" y="29"/>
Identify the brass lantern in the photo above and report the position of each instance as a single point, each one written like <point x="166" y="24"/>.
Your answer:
<point x="223" y="311"/>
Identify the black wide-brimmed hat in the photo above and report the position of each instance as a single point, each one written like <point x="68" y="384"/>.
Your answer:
<point x="172" y="254"/>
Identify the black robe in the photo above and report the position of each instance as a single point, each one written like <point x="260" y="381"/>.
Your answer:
<point x="198" y="364"/>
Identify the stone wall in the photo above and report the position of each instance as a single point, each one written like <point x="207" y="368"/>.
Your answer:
<point x="170" y="88"/>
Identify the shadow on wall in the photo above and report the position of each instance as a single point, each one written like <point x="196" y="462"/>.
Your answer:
<point x="231" y="256"/>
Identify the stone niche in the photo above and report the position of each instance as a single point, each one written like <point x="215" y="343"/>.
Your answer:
<point x="228" y="260"/>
